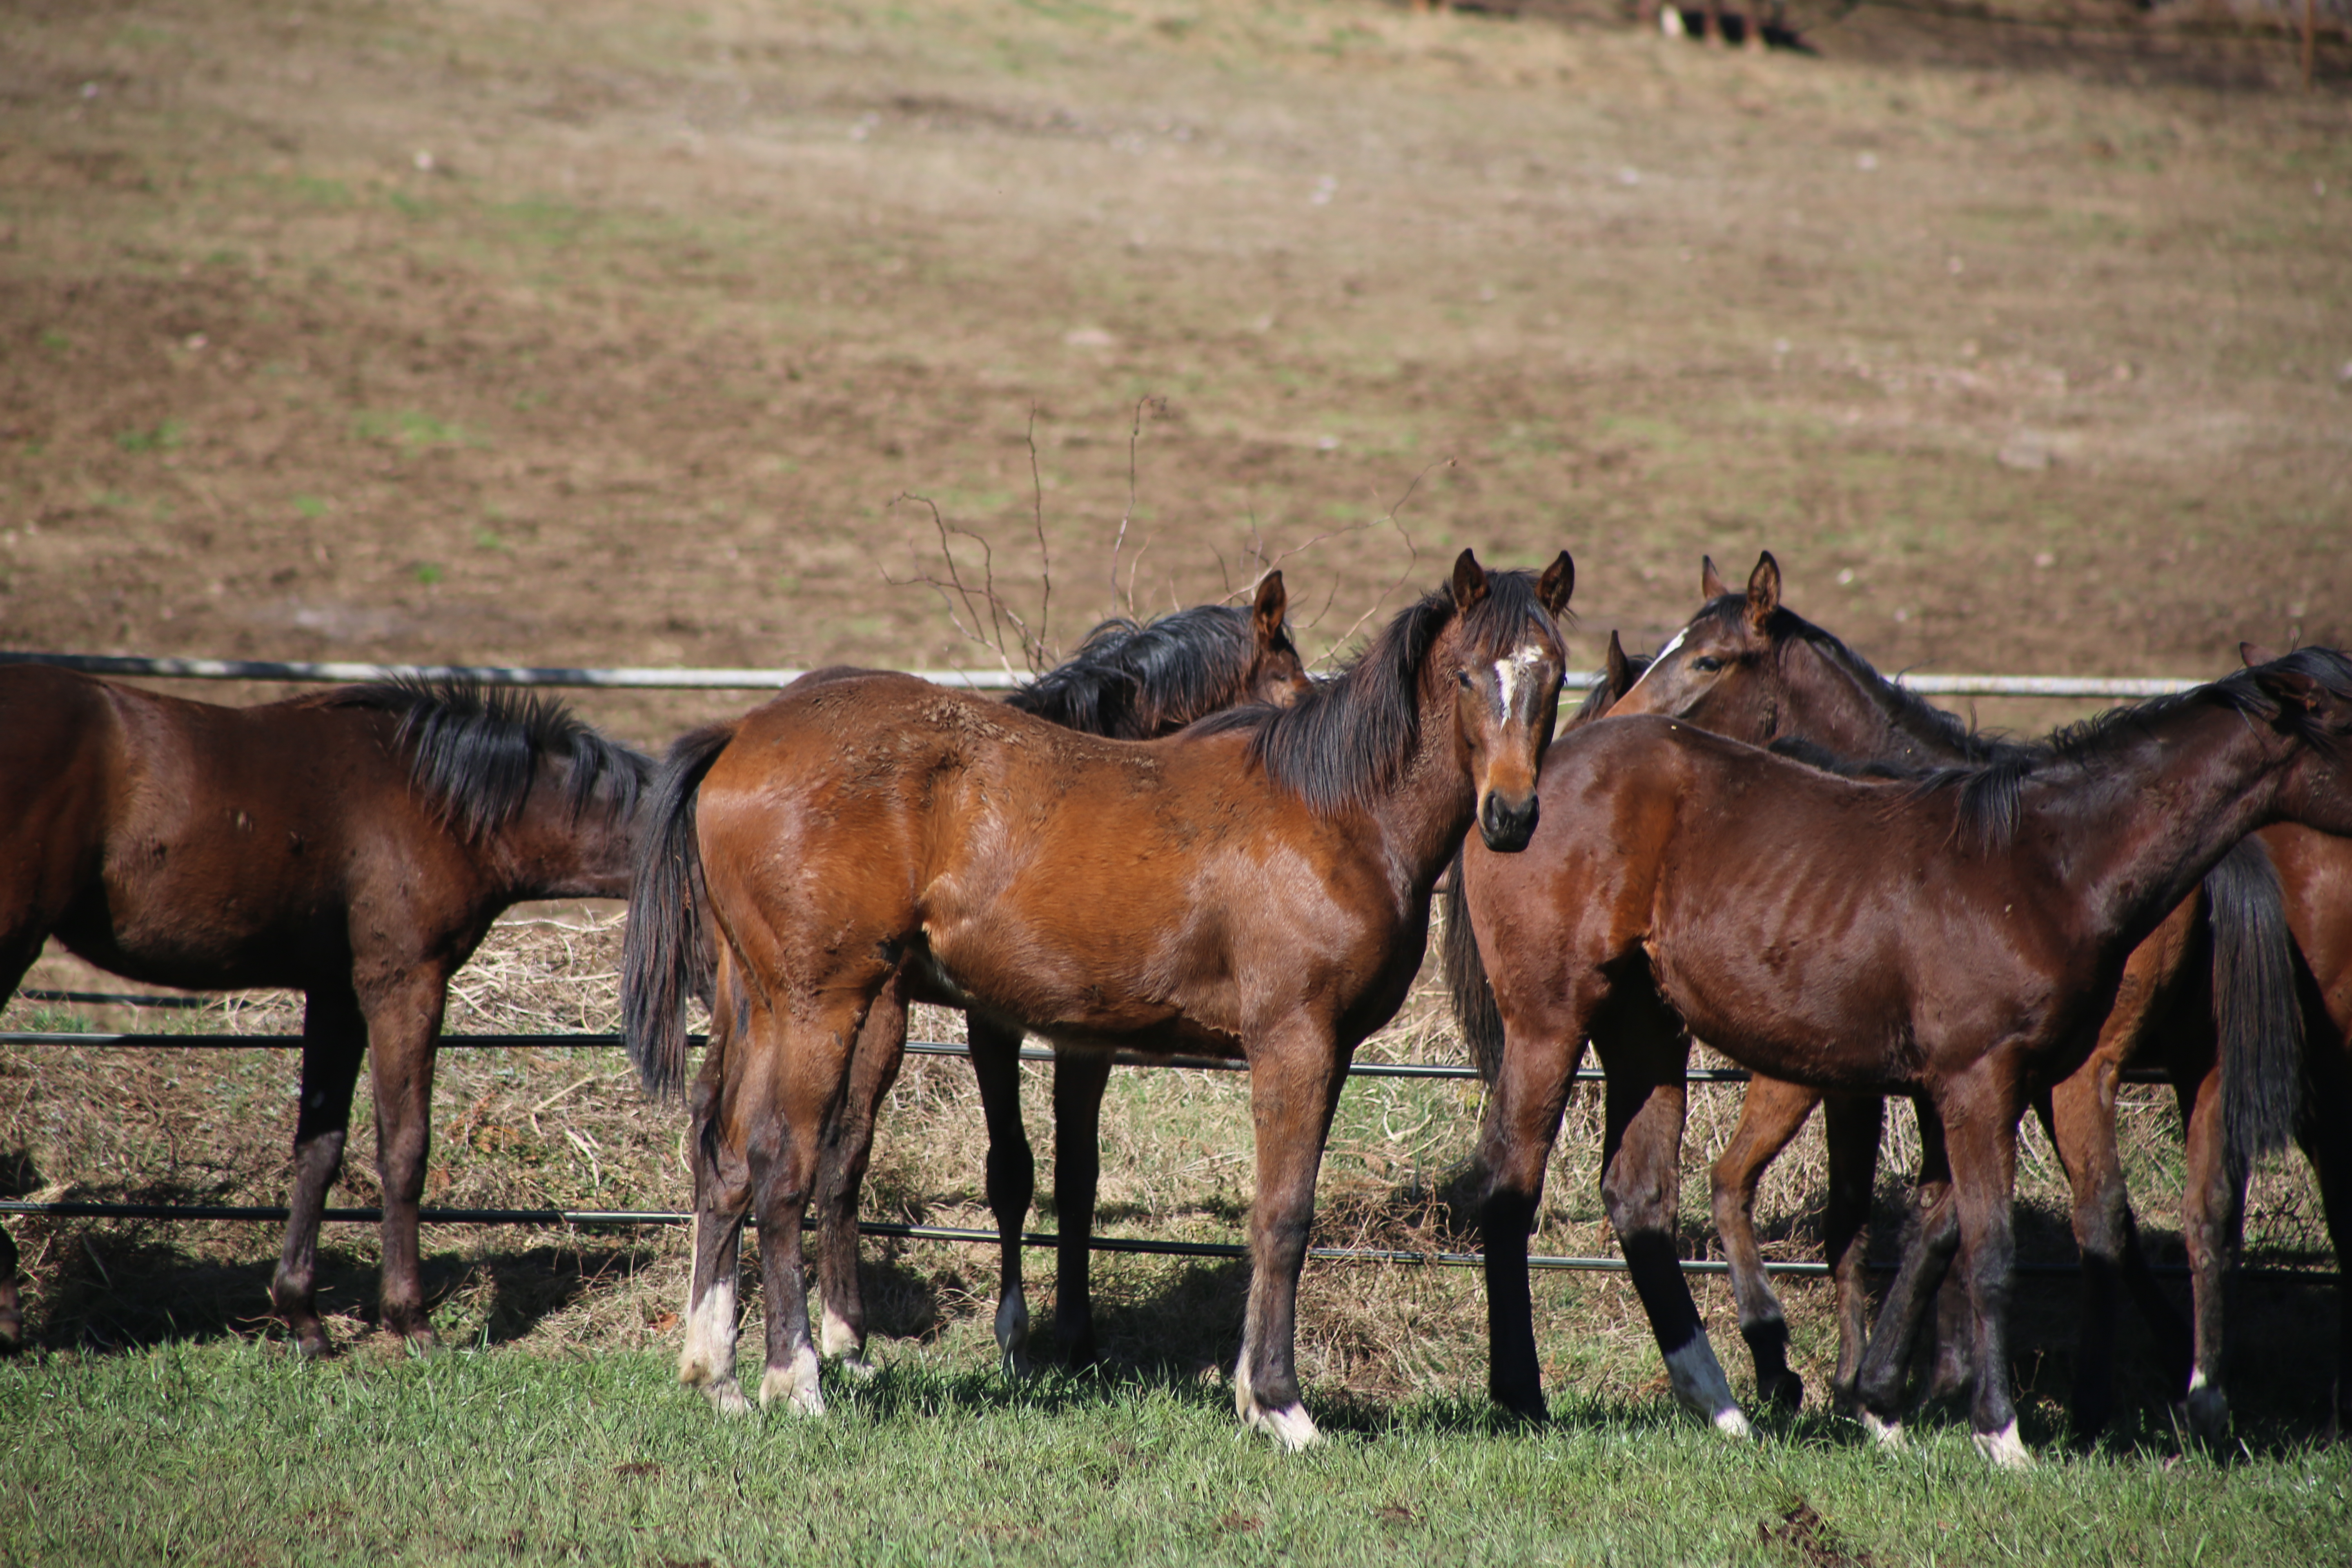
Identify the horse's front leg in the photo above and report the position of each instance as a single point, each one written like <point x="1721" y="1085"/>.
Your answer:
<point x="1854" y="1126"/>
<point x="1770" y="1116"/>
<point x="1980" y="1132"/>
<point x="848" y="1149"/>
<point x="1296" y="1076"/>
<point x="1931" y="1235"/>
<point x="11" y="1311"/>
<point x="1012" y="1178"/>
<point x="334" y="1039"/>
<point x="404" y="1027"/>
<point x="1080" y="1080"/>
<point x="2326" y="1137"/>
<point x="1646" y="1056"/>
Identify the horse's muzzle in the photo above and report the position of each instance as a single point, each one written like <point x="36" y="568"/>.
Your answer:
<point x="1505" y="825"/>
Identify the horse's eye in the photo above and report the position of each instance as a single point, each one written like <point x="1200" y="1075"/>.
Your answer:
<point x="1464" y="676"/>
<point x="1706" y="664"/>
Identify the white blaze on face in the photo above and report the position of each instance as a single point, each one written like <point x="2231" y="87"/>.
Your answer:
<point x="1663" y="654"/>
<point x="1519" y="672"/>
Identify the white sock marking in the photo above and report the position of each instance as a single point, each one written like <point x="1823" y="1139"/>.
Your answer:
<point x="2005" y="1449"/>
<point x="1701" y="1388"/>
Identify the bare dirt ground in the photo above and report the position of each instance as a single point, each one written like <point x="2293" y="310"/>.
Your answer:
<point x="609" y="332"/>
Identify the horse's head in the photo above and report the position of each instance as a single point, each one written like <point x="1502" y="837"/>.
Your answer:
<point x="2312" y="689"/>
<point x="1508" y="659"/>
<point x="1276" y="673"/>
<point x="1721" y="670"/>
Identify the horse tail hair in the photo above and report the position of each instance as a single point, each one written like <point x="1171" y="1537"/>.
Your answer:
<point x="1473" y="997"/>
<point x="665" y="954"/>
<point x="2257" y="1013"/>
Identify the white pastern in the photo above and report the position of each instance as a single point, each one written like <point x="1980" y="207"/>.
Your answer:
<point x="1885" y="1434"/>
<point x="708" y="1357"/>
<point x="1013" y="1333"/>
<point x="1291" y="1425"/>
<point x="1701" y="1388"/>
<point x="2005" y="1449"/>
<point x="837" y="1337"/>
<point x="1666" y="652"/>
<point x="727" y="1398"/>
<point x="796" y="1384"/>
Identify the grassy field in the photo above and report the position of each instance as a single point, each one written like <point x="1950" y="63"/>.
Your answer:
<point x="236" y="1453"/>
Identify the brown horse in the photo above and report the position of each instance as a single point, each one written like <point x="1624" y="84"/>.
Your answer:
<point x="353" y="845"/>
<point x="2210" y="995"/>
<point x="1956" y="936"/>
<point x="1255" y="886"/>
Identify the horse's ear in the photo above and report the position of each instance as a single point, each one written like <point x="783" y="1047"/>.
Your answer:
<point x="2253" y="653"/>
<point x="1557" y="583"/>
<point x="1763" y="591"/>
<point x="1710" y="581"/>
<point x="2288" y="688"/>
<point x="1265" y="616"/>
<point x="1469" y="583"/>
<point x="1616" y="671"/>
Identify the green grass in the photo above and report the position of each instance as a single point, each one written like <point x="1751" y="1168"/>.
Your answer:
<point x="233" y="1452"/>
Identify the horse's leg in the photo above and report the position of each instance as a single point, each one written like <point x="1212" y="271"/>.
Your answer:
<point x="1080" y="1080"/>
<point x="880" y="1047"/>
<point x="1011" y="1177"/>
<point x="334" y="1036"/>
<point x="1296" y="1076"/>
<point x="722" y="1193"/>
<point x="17" y="955"/>
<point x="1522" y="1121"/>
<point x="2327" y="1124"/>
<point x="1980" y="1132"/>
<point x="1931" y="1235"/>
<point x="1769" y="1115"/>
<point x="404" y="1027"/>
<point x="1852" y="1125"/>
<point x="810" y="1053"/>
<point x="1647" y="1057"/>
<point x="2212" y="1213"/>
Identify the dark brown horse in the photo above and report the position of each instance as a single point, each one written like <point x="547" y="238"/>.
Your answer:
<point x="2209" y="996"/>
<point x="1128" y="682"/>
<point x="1958" y="936"/>
<point x="353" y="845"/>
<point x="1256" y="887"/>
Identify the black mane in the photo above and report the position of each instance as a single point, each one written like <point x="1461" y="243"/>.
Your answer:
<point x="476" y="751"/>
<point x="1340" y="744"/>
<point x="1132" y="680"/>
<point x="1991" y="795"/>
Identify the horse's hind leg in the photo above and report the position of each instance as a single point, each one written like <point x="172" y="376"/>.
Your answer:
<point x="1646" y="1056"/>
<point x="2326" y="1127"/>
<point x="721" y="1197"/>
<point x="1012" y="1178"/>
<point x="1080" y="1080"/>
<point x="1545" y="1043"/>
<point x="1854" y="1125"/>
<point x="333" y="1039"/>
<point x="15" y="957"/>
<point x="841" y="1173"/>
<point x="1770" y="1116"/>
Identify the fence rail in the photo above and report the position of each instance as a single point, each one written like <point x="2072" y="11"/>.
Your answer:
<point x="678" y="679"/>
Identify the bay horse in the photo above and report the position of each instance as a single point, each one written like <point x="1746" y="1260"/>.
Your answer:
<point x="1255" y="886"/>
<point x="1129" y="680"/>
<point x="354" y="845"/>
<point x="1957" y="935"/>
<point x="2209" y="996"/>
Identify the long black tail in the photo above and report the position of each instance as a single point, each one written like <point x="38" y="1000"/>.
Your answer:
<point x="2256" y="1012"/>
<point x="664" y="955"/>
<point x="1465" y="978"/>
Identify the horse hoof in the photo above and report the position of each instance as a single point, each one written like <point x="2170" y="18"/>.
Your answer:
<point x="12" y="1333"/>
<point x="1732" y="1422"/>
<point x="858" y="1368"/>
<point x="1290" y="1426"/>
<point x="2209" y="1415"/>
<point x="727" y="1397"/>
<point x="2005" y="1449"/>
<point x="1016" y="1363"/>
<point x="1785" y="1393"/>
<point x="1885" y="1434"/>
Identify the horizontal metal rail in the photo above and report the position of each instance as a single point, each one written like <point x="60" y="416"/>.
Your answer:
<point x="625" y="1218"/>
<point x="680" y="679"/>
<point x="914" y="1048"/>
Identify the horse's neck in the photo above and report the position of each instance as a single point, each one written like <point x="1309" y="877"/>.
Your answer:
<point x="1430" y="803"/>
<point x="1862" y="716"/>
<point x="547" y="853"/>
<point x="2138" y="838"/>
